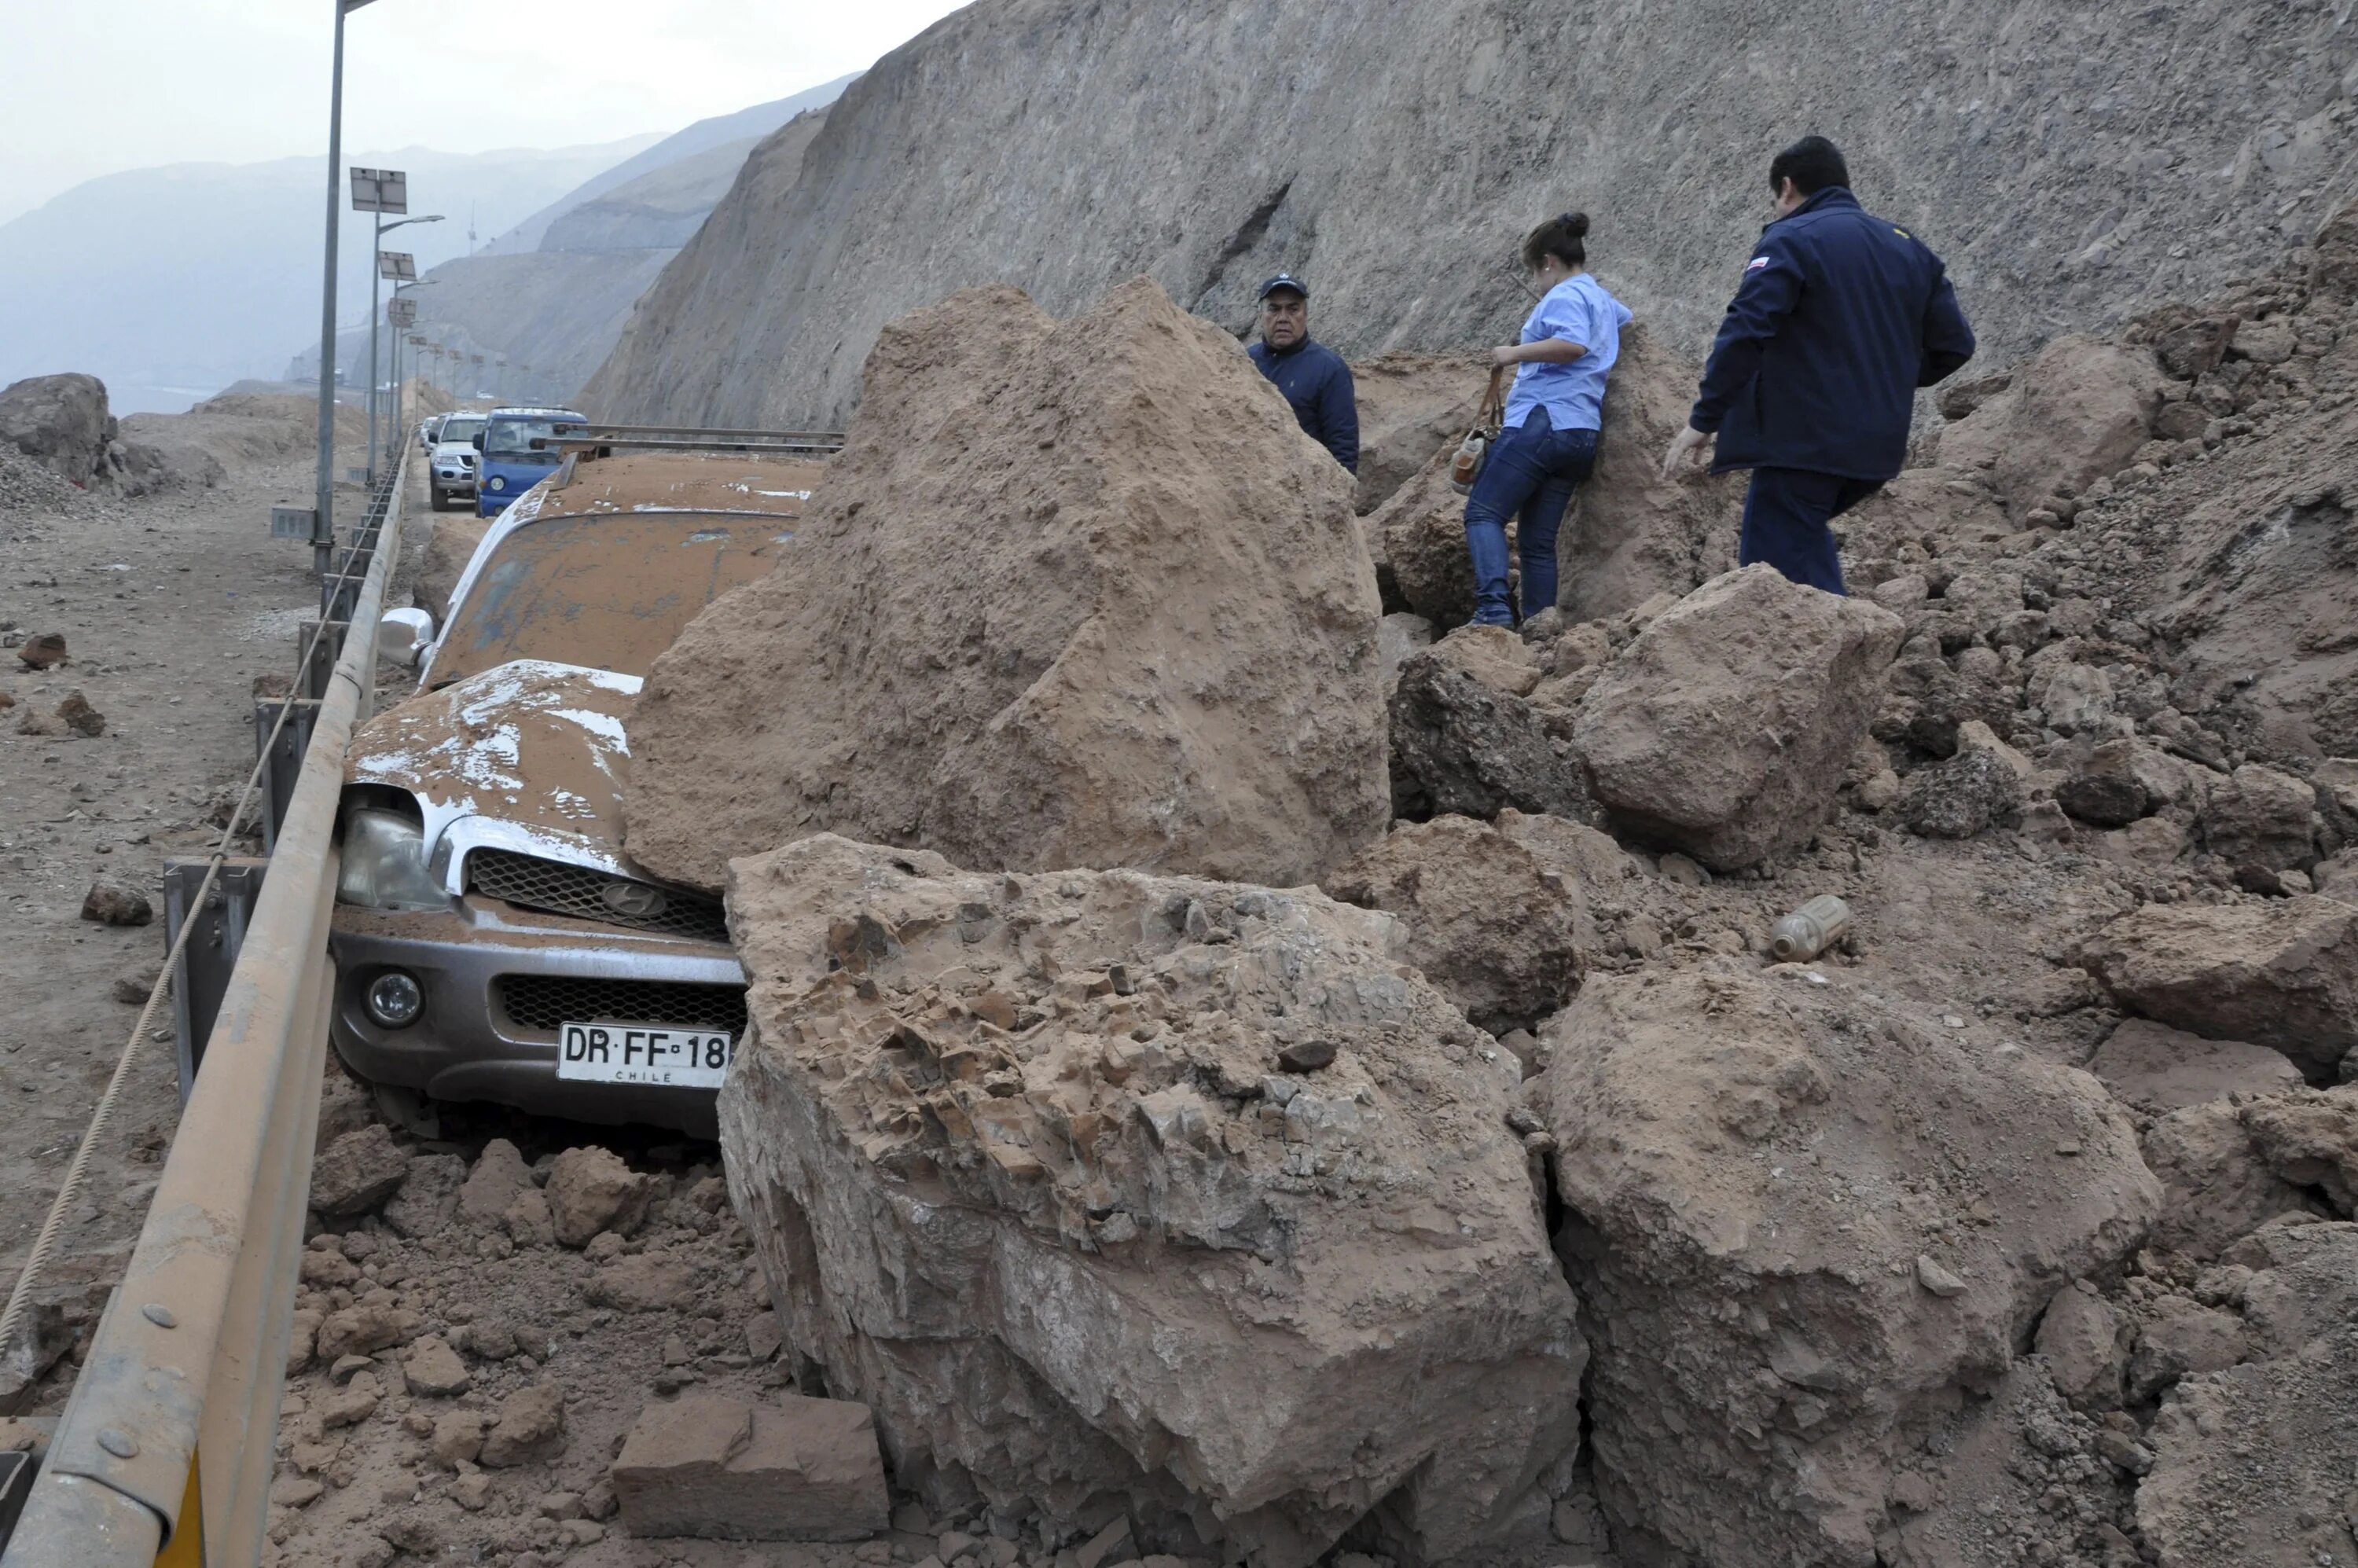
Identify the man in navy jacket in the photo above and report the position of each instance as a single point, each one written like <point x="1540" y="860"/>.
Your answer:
<point x="1313" y="376"/>
<point x="1812" y="383"/>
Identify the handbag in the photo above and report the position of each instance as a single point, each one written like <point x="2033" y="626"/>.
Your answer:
<point x="1466" y="464"/>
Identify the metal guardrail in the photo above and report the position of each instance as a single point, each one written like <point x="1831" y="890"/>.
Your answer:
<point x="190" y="1356"/>
<point x="607" y="438"/>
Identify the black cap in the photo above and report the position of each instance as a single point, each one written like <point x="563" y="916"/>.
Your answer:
<point x="1283" y="280"/>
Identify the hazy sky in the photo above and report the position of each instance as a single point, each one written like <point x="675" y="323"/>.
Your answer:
<point x="89" y="88"/>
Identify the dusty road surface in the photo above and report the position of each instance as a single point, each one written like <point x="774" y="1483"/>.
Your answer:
<point x="171" y="606"/>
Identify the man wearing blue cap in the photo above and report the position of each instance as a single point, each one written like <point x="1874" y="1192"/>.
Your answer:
<point x="1313" y="376"/>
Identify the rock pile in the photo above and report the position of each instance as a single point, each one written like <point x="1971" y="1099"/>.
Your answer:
<point x="1201" y="1205"/>
<point x="1152" y="1213"/>
<point x="1074" y="594"/>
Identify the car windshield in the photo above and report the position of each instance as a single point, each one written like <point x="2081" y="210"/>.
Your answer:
<point x="462" y="430"/>
<point x="609" y="591"/>
<point x="511" y="440"/>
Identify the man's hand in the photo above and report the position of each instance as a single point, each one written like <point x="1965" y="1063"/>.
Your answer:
<point x="1503" y="355"/>
<point x="1690" y="449"/>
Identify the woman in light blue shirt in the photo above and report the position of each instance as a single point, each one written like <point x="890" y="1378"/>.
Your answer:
<point x="1549" y="442"/>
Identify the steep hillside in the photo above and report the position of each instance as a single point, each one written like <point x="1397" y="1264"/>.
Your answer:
<point x="743" y="127"/>
<point x="660" y="209"/>
<point x="560" y="307"/>
<point x="2074" y="163"/>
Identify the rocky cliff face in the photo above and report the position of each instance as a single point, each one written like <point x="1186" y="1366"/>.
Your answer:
<point x="2073" y="163"/>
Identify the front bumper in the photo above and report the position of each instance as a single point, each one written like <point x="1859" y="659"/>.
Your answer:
<point x="474" y="962"/>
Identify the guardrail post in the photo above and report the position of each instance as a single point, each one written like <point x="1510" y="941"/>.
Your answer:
<point x="311" y="678"/>
<point x="15" y="1485"/>
<point x="283" y="755"/>
<point x="202" y="978"/>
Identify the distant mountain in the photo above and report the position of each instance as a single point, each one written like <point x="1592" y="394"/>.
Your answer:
<point x="170" y="283"/>
<point x="746" y="126"/>
<point x="560" y="307"/>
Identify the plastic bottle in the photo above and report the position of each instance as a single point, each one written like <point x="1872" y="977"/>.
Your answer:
<point x="1810" y="930"/>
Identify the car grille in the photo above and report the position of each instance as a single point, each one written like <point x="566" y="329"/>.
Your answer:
<point x="541" y="1002"/>
<point x="582" y="893"/>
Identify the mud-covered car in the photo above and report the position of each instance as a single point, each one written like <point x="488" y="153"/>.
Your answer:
<point x="493" y="941"/>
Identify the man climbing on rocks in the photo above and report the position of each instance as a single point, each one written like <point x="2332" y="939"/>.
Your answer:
<point x="1813" y="380"/>
<point x="1313" y="376"/>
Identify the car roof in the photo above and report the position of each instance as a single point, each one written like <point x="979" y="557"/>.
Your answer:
<point x="680" y="482"/>
<point x="538" y="408"/>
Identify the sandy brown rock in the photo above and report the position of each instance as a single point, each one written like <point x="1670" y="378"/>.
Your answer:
<point x="782" y="1468"/>
<point x="1074" y="593"/>
<point x="591" y="1190"/>
<point x="499" y="1175"/>
<point x="529" y="1424"/>
<point x="2085" y="1342"/>
<point x="358" y="1172"/>
<point x="1503" y="931"/>
<point x="1768" y="1186"/>
<point x="1412" y="406"/>
<point x="2310" y="1139"/>
<point x="2076" y="412"/>
<point x="2260" y="816"/>
<point x="1258" y="1298"/>
<point x="2282" y="973"/>
<point x="1723" y="729"/>
<point x="2217" y="1186"/>
<point x="2156" y="1069"/>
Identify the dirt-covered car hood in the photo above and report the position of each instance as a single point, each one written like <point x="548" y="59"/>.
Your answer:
<point x="535" y="747"/>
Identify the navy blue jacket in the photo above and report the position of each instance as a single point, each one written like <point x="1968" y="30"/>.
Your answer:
<point x="1318" y="383"/>
<point x="1840" y="317"/>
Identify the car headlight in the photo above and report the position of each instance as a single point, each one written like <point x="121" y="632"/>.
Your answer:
<point x="498" y="483"/>
<point x="384" y="864"/>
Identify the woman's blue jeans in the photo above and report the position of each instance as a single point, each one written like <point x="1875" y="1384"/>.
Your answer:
<point x="1533" y="470"/>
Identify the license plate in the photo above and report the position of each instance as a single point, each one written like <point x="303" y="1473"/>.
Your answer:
<point x="636" y="1053"/>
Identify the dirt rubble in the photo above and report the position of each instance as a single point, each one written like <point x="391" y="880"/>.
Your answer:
<point x="1074" y="593"/>
<point x="1938" y="1248"/>
<point x="172" y="607"/>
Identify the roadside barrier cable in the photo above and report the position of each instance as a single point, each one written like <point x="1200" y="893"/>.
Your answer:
<point x="20" y="1296"/>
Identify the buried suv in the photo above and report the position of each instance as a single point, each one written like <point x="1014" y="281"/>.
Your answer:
<point x="493" y="941"/>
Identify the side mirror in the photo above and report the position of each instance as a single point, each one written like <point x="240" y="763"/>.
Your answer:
<point x="403" y="634"/>
<point x="478" y="442"/>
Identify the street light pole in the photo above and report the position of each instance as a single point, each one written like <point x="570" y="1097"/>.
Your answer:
<point x="323" y="526"/>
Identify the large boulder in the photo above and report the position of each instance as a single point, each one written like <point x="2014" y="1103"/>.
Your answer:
<point x="1801" y="1220"/>
<point x="1630" y="532"/>
<point x="1113" y="1192"/>
<point x="1723" y="729"/>
<point x="2252" y="1464"/>
<point x="1410" y="407"/>
<point x="2260" y="817"/>
<point x="59" y="422"/>
<point x="1421" y="530"/>
<point x="1498" y="919"/>
<point x="2075" y="413"/>
<point x="2156" y="1069"/>
<point x="1466" y="738"/>
<point x="2282" y="973"/>
<point x="1075" y="593"/>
